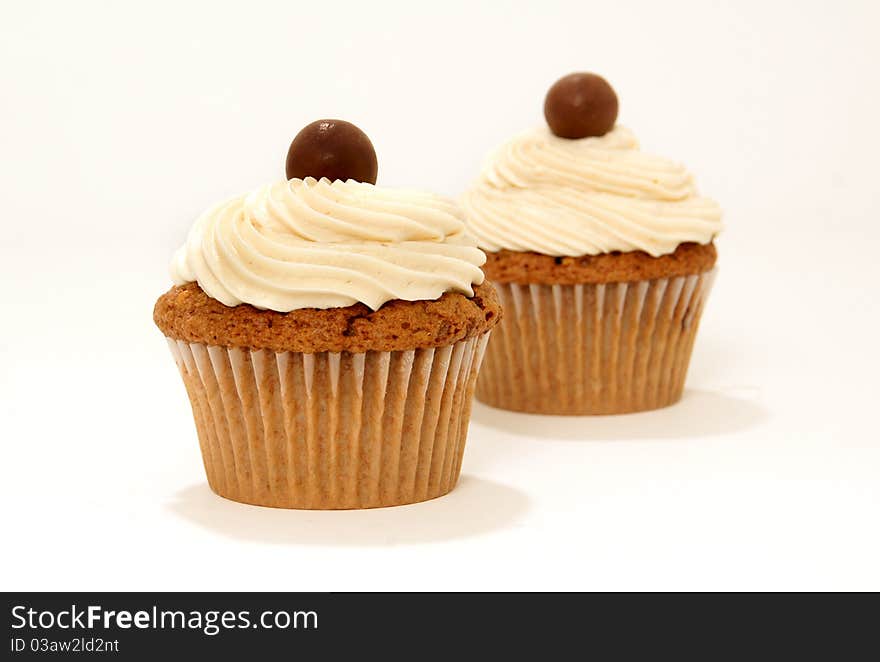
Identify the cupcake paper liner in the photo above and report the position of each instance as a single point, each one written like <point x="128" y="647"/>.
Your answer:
<point x="331" y="430"/>
<point x="593" y="349"/>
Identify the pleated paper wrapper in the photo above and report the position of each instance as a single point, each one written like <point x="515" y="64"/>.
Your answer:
<point x="593" y="349"/>
<point x="331" y="430"/>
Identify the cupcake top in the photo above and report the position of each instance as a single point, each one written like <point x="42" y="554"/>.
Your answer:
<point x="583" y="186"/>
<point x="315" y="243"/>
<point x="308" y="243"/>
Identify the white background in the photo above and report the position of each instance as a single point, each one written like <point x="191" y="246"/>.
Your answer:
<point x="120" y="122"/>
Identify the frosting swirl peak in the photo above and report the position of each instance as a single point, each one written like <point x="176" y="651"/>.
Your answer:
<point x="307" y="243"/>
<point x="588" y="196"/>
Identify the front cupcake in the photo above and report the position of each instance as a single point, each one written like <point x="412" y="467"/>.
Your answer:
<point x="603" y="257"/>
<point x="329" y="333"/>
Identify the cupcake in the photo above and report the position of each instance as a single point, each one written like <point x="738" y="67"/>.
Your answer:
<point x="329" y="333"/>
<point x="602" y="256"/>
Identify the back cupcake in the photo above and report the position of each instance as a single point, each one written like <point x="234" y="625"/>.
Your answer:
<point x="603" y="257"/>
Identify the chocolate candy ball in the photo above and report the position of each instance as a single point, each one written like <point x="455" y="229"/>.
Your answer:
<point x="334" y="149"/>
<point x="580" y="105"/>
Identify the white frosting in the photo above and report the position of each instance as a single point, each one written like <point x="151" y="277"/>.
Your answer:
<point x="557" y="196"/>
<point x="316" y="244"/>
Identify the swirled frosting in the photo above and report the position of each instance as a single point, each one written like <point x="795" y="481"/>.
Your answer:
<point x="557" y="196"/>
<point x="320" y="244"/>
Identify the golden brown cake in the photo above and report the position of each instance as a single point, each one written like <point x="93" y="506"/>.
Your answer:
<point x="185" y="312"/>
<point x="528" y="267"/>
